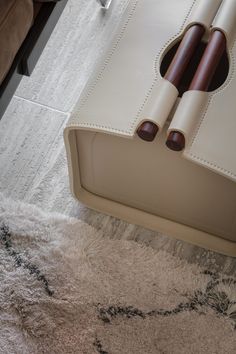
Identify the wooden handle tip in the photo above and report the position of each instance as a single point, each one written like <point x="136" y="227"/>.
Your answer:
<point x="175" y="141"/>
<point x="147" y="131"/>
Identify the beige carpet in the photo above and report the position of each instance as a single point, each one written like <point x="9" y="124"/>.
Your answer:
<point x="66" y="289"/>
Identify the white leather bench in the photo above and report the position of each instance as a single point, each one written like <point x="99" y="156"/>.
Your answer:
<point x="189" y="195"/>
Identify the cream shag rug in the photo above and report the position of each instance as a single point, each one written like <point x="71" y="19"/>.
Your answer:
<point x="66" y="289"/>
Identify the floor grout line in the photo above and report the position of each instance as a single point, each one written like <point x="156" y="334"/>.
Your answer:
<point x="43" y="105"/>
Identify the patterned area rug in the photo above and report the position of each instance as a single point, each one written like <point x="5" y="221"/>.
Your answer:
<point x="64" y="288"/>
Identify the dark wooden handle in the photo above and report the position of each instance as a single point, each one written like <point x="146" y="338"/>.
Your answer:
<point x="148" y="130"/>
<point x="184" y="54"/>
<point x="175" y="141"/>
<point x="202" y="79"/>
<point x="210" y="61"/>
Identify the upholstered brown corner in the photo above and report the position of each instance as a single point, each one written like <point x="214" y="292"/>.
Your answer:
<point x="16" y="18"/>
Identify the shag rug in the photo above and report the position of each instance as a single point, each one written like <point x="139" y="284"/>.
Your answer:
<point x="64" y="288"/>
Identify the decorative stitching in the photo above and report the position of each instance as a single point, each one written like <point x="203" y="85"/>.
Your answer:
<point x="110" y="55"/>
<point x="195" y="157"/>
<point x="96" y="126"/>
<point x="133" y="123"/>
<point x="198" y="127"/>
<point x="120" y="36"/>
<point x="156" y="62"/>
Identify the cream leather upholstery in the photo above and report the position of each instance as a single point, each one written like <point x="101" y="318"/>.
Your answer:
<point x="210" y="128"/>
<point x="115" y="172"/>
<point x="226" y="20"/>
<point x="204" y="12"/>
<point x="128" y="88"/>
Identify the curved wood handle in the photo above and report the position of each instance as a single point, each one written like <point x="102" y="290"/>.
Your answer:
<point x="202" y="79"/>
<point x="148" y="130"/>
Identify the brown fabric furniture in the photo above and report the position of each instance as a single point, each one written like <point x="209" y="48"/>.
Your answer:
<point x="16" y="18"/>
<point x="25" y="27"/>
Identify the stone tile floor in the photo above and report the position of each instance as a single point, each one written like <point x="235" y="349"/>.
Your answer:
<point x="32" y="156"/>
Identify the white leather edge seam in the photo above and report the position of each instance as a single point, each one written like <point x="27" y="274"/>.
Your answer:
<point x="201" y="121"/>
<point x="130" y="131"/>
<point x="210" y="164"/>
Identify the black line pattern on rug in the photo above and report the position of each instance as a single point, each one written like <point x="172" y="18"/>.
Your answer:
<point x="212" y="298"/>
<point x="5" y="239"/>
<point x="98" y="345"/>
